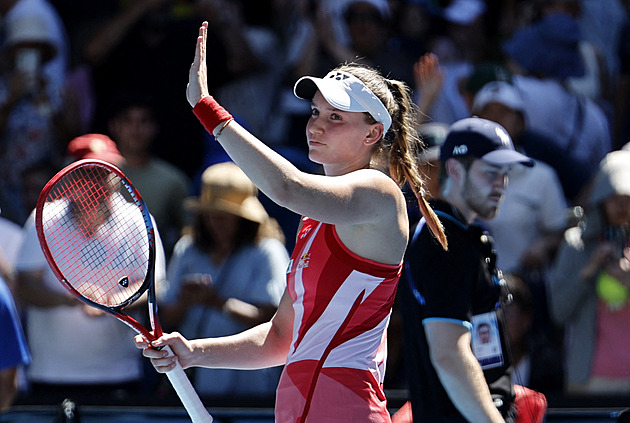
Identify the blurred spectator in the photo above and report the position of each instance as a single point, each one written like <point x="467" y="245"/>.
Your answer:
<point x="463" y="38"/>
<point x="32" y="16"/>
<point x="32" y="74"/>
<point x="330" y="13"/>
<point x="14" y="351"/>
<point x="590" y="285"/>
<point x="553" y="46"/>
<point x="600" y="22"/>
<point x="296" y="19"/>
<point x="543" y="58"/>
<point x="371" y="39"/>
<point x="534" y="213"/>
<point x="503" y="103"/>
<point x="411" y="27"/>
<point x="519" y="320"/>
<point x="163" y="186"/>
<point x="10" y="240"/>
<point x="77" y="350"/>
<point x="455" y="50"/>
<point x="537" y="363"/>
<point x="532" y="217"/>
<point x="622" y="99"/>
<point x="483" y="73"/>
<point x="227" y="274"/>
<point x="255" y="48"/>
<point x="34" y="178"/>
<point x="148" y="35"/>
<point x="429" y="83"/>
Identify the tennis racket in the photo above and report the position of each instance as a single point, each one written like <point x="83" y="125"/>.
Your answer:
<point x="98" y="237"/>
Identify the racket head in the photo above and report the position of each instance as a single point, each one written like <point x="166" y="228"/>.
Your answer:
<point x="98" y="237"/>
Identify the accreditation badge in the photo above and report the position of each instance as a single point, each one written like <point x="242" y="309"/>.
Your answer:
<point x="486" y="342"/>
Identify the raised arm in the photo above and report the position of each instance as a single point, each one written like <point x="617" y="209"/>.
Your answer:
<point x="355" y="198"/>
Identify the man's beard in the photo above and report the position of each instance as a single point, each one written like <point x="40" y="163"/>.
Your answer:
<point x="479" y="203"/>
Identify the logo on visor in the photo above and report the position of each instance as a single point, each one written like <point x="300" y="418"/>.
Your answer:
<point x="339" y="76"/>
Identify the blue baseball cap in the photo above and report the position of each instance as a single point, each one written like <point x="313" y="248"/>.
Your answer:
<point x="483" y="139"/>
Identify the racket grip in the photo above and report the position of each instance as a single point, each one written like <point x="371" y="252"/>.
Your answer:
<point x="187" y="394"/>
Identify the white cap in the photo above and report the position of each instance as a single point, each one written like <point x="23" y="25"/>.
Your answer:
<point x="501" y="92"/>
<point x="30" y="30"/>
<point x="345" y="92"/>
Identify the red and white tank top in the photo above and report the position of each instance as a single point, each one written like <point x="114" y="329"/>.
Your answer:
<point x="342" y="304"/>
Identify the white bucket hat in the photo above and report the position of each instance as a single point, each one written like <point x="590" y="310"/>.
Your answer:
<point x="345" y="92"/>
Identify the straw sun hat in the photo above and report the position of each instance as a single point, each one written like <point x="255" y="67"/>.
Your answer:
<point x="226" y="188"/>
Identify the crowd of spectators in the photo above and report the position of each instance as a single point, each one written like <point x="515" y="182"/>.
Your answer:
<point x="561" y="75"/>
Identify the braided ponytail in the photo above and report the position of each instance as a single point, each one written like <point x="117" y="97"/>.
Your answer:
<point x="404" y="153"/>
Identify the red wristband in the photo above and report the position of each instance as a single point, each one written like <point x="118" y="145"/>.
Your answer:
<point x="210" y="113"/>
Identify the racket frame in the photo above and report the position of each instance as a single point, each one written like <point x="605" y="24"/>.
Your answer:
<point x="149" y="282"/>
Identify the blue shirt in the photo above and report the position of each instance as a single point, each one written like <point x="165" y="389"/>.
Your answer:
<point x="13" y="348"/>
<point x="255" y="274"/>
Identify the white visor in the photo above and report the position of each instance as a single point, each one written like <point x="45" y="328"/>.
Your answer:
<point x="345" y="92"/>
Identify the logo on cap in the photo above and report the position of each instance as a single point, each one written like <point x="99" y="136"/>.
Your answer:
<point x="460" y="150"/>
<point x="503" y="137"/>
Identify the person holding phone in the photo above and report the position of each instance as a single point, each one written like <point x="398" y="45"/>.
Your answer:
<point x="590" y="285"/>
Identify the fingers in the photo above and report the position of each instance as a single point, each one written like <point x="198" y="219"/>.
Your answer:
<point x="197" y="83"/>
<point x="162" y="360"/>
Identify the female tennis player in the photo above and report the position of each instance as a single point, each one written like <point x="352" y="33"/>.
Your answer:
<point x="330" y="329"/>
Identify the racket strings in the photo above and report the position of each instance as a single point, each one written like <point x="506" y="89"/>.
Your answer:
<point x="97" y="238"/>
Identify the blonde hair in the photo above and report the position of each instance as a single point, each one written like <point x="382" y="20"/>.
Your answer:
<point x="400" y="146"/>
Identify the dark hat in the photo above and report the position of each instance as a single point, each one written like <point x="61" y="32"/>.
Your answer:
<point x="95" y="146"/>
<point x="433" y="135"/>
<point x="486" y="72"/>
<point x="549" y="47"/>
<point x="483" y="139"/>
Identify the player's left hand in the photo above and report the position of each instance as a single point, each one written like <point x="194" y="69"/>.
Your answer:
<point x="197" y="87"/>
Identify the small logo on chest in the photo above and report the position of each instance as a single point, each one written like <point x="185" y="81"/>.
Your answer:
<point x="304" y="260"/>
<point x="305" y="232"/>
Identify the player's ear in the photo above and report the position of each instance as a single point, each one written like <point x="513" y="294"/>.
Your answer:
<point x="375" y="133"/>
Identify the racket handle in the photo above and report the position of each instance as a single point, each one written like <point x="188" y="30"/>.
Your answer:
<point x="187" y="394"/>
